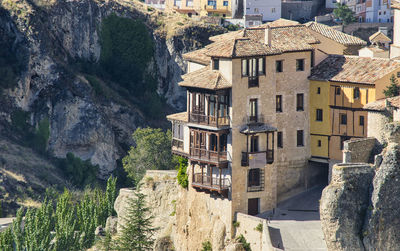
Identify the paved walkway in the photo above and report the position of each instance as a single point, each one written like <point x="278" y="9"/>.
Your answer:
<point x="295" y="224"/>
<point x="5" y="222"/>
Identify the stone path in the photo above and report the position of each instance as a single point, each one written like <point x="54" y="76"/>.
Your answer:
<point x="295" y="225"/>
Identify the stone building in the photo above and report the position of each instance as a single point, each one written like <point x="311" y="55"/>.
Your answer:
<point x="246" y="129"/>
<point x="379" y="47"/>
<point x="201" y="7"/>
<point x="340" y="86"/>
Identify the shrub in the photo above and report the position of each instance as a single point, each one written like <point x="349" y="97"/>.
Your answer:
<point x="80" y="172"/>
<point x="245" y="244"/>
<point x="259" y="227"/>
<point x="182" y="176"/>
<point x="236" y="224"/>
<point x="180" y="23"/>
<point x="206" y="246"/>
<point x="41" y="136"/>
<point x="393" y="89"/>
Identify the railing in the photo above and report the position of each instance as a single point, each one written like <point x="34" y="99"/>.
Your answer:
<point x="207" y="155"/>
<point x="206" y="181"/>
<point x="253" y="81"/>
<point x="269" y="157"/>
<point x="212" y="120"/>
<point x="253" y="119"/>
<point x="177" y="144"/>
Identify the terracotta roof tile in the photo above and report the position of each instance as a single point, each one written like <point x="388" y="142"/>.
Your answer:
<point x="379" y="37"/>
<point x="353" y="69"/>
<point x="205" y="78"/>
<point x="281" y="22"/>
<point x="335" y="35"/>
<point x="395" y="4"/>
<point x="198" y="56"/>
<point x="380" y="105"/>
<point x="182" y="116"/>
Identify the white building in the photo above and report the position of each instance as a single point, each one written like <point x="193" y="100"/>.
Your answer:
<point x="378" y="11"/>
<point x="269" y="9"/>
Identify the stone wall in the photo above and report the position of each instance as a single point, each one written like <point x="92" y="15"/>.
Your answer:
<point x="359" y="150"/>
<point x="376" y="124"/>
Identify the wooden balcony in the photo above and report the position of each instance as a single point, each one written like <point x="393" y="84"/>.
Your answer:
<point x="211" y="184"/>
<point x="218" y="158"/>
<point x="177" y="147"/>
<point x="210" y="120"/>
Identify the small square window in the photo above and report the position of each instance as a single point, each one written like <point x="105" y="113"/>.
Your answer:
<point x="279" y="66"/>
<point x="319" y="90"/>
<point x="226" y="3"/>
<point x="319" y="143"/>
<point x="343" y="119"/>
<point x="299" y="64"/>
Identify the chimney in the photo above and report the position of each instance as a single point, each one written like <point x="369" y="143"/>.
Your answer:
<point x="268" y="36"/>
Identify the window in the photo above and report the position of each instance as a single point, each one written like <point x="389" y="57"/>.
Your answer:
<point x="273" y="10"/>
<point x="254" y="144"/>
<point x="300" y="138"/>
<point x="280" y="140"/>
<point x="279" y="66"/>
<point x="253" y="67"/>
<point x="189" y="3"/>
<point x="255" y="10"/>
<point x="212" y="3"/>
<point x="278" y="103"/>
<point x="299" y="64"/>
<point x="215" y="64"/>
<point x="226" y="3"/>
<point x="343" y="119"/>
<point x="361" y="120"/>
<point x="319" y="143"/>
<point x="319" y="90"/>
<point x="356" y="93"/>
<point x="253" y="110"/>
<point x="337" y="90"/>
<point x="300" y="102"/>
<point x="319" y="115"/>
<point x="254" y="177"/>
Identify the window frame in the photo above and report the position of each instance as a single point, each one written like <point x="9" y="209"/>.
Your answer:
<point x="254" y="143"/>
<point x="246" y="71"/>
<point x="338" y="91"/>
<point x="300" y="97"/>
<point x="300" y="138"/>
<point x="300" y="67"/>
<point x="319" y="115"/>
<point x="279" y="105"/>
<point x="319" y="143"/>
<point x="215" y="64"/>
<point x="361" y="118"/>
<point x="356" y="93"/>
<point x="319" y="90"/>
<point x="279" y="139"/>
<point x="280" y="63"/>
<point x="343" y="118"/>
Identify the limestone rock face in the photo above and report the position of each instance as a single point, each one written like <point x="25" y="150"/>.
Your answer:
<point x="48" y="38"/>
<point x="360" y="208"/>
<point x="343" y="206"/>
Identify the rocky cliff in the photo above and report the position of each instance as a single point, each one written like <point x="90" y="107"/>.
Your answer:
<point x="360" y="207"/>
<point x="44" y="44"/>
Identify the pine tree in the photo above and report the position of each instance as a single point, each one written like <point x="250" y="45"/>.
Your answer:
<point x="137" y="232"/>
<point x="393" y="89"/>
<point x="111" y="195"/>
<point x="17" y="230"/>
<point x="86" y="222"/>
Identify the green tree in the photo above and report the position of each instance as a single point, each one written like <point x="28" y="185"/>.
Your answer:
<point x="86" y="224"/>
<point x="111" y="195"/>
<point x="6" y="240"/>
<point x="137" y="231"/>
<point x="152" y="151"/>
<point x="344" y="13"/>
<point x="17" y="230"/>
<point x="182" y="176"/>
<point x="393" y="89"/>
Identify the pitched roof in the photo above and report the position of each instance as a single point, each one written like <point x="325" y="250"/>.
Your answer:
<point x="380" y="105"/>
<point x="228" y="35"/>
<point x="281" y="22"/>
<point x="335" y="35"/>
<point x="379" y="37"/>
<point x="353" y="69"/>
<point x="198" y="56"/>
<point x="240" y="47"/>
<point x="205" y="78"/>
<point x="182" y="116"/>
<point x="395" y="4"/>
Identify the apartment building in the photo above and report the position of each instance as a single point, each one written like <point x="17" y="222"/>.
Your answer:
<point x="340" y="86"/>
<point x="246" y="129"/>
<point x="378" y="11"/>
<point x="200" y="7"/>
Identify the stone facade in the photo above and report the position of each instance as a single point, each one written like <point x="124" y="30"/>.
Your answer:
<point x="359" y="150"/>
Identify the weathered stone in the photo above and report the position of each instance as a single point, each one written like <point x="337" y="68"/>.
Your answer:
<point x="235" y="247"/>
<point x="382" y="228"/>
<point x="99" y="231"/>
<point x="218" y="235"/>
<point x="392" y="132"/>
<point x="164" y="244"/>
<point x="343" y="205"/>
<point x="111" y="224"/>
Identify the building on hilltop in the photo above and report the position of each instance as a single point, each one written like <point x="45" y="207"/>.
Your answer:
<point x="246" y="130"/>
<point x="201" y="7"/>
<point x="340" y="86"/>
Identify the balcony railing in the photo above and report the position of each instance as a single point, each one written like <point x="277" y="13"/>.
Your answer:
<point x="253" y="119"/>
<point x="211" y="120"/>
<point x="253" y="81"/>
<point x="269" y="156"/>
<point x="211" y="183"/>
<point x="208" y="155"/>
<point x="177" y="147"/>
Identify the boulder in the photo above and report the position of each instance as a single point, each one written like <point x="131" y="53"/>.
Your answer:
<point x="111" y="224"/>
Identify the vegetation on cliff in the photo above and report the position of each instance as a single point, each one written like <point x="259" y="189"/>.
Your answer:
<point x="61" y="223"/>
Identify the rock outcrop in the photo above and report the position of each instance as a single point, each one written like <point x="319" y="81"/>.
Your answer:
<point x="360" y="207"/>
<point x="47" y="39"/>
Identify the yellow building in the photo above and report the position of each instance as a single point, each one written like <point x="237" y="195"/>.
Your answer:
<point x="339" y="88"/>
<point x="200" y="7"/>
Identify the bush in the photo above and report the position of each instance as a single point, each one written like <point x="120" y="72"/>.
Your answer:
<point x="245" y="244"/>
<point x="182" y="176"/>
<point x="206" y="246"/>
<point x="41" y="136"/>
<point x="259" y="228"/>
<point x="80" y="172"/>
